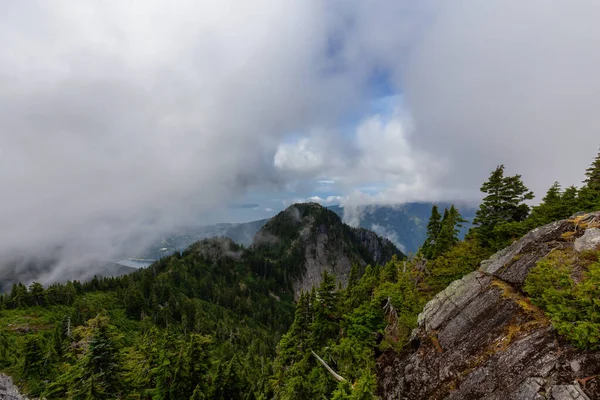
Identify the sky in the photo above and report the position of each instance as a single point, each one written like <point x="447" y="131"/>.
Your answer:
<point x="122" y="120"/>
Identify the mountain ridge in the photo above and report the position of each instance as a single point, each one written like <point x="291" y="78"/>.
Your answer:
<point x="313" y="239"/>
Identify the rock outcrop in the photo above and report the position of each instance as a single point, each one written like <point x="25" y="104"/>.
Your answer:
<point x="8" y="391"/>
<point x="481" y="338"/>
<point x="312" y="239"/>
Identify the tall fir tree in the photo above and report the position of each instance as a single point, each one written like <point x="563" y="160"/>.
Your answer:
<point x="589" y="195"/>
<point x="98" y="372"/>
<point x="504" y="203"/>
<point x="448" y="236"/>
<point x="550" y="209"/>
<point x="433" y="230"/>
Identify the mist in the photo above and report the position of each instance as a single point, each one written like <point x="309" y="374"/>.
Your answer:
<point x="120" y="122"/>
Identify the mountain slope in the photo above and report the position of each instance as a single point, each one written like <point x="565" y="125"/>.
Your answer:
<point x="206" y="320"/>
<point x="404" y="224"/>
<point x="483" y="337"/>
<point x="241" y="233"/>
<point x="308" y="239"/>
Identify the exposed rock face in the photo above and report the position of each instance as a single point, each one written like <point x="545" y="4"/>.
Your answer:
<point x="324" y="243"/>
<point x="590" y="240"/>
<point x="8" y="391"/>
<point x="481" y="338"/>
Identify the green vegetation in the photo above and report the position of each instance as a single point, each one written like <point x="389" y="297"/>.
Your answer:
<point x="573" y="305"/>
<point x="442" y="232"/>
<point x="218" y="321"/>
<point x="204" y="323"/>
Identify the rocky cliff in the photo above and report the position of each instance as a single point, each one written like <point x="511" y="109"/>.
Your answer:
<point x="311" y="239"/>
<point x="482" y="338"/>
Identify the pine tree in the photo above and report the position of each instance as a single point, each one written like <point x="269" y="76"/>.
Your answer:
<point x="433" y="230"/>
<point x="97" y="374"/>
<point x="504" y="203"/>
<point x="19" y="295"/>
<point x="570" y="201"/>
<point x="325" y="324"/>
<point x="589" y="195"/>
<point x="448" y="236"/>
<point x="34" y="359"/>
<point x="551" y="208"/>
<point x="592" y="174"/>
<point x="37" y="296"/>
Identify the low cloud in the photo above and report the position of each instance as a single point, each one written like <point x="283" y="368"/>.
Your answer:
<point x="120" y="122"/>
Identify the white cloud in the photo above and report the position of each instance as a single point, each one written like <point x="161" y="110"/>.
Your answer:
<point x="123" y="119"/>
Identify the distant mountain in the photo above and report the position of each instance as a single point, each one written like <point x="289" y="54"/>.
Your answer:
<point x="307" y="239"/>
<point x="28" y="269"/>
<point x="240" y="233"/>
<point x="404" y="225"/>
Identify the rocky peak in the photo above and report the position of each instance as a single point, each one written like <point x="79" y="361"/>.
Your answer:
<point x="312" y="239"/>
<point x="482" y="338"/>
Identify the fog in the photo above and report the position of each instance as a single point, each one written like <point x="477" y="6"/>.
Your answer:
<point x="121" y="121"/>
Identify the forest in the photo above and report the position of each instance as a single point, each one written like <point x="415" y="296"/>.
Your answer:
<point x="219" y="321"/>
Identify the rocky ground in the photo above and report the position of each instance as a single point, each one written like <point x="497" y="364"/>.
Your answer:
<point x="481" y="338"/>
<point x="8" y="391"/>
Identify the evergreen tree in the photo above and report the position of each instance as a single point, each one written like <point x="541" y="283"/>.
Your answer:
<point x="37" y="296"/>
<point x="34" y="359"/>
<point x="504" y="203"/>
<point x="592" y="174"/>
<point x="19" y="295"/>
<point x="326" y="311"/>
<point x="570" y="200"/>
<point x="551" y="208"/>
<point x="97" y="373"/>
<point x="433" y="230"/>
<point x="448" y="236"/>
<point x="589" y="195"/>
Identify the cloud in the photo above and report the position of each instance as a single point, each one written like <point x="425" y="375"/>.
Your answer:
<point x="510" y="82"/>
<point x="376" y="162"/>
<point x="121" y="121"/>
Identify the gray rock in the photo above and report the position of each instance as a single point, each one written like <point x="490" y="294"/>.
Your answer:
<point x="567" y="392"/>
<point x="8" y="390"/>
<point x="481" y="338"/>
<point x="589" y="241"/>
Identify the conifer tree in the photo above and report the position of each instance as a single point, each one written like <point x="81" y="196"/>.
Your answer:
<point x="448" y="236"/>
<point x="592" y="174"/>
<point x="433" y="230"/>
<point x="504" y="203"/>
<point x="37" y="296"/>
<point x="97" y="373"/>
<point x="589" y="195"/>
<point x="19" y="295"/>
<point x="551" y="208"/>
<point x="570" y="201"/>
<point x="326" y="311"/>
<point x="33" y="357"/>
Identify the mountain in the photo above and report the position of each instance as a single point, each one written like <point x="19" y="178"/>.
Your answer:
<point x="241" y="233"/>
<point x="27" y="269"/>
<point x="484" y="337"/>
<point x="404" y="225"/>
<point x="308" y="239"/>
<point x="204" y="322"/>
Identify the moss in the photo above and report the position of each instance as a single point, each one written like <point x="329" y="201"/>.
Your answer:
<point x="528" y="308"/>
<point x="436" y="343"/>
